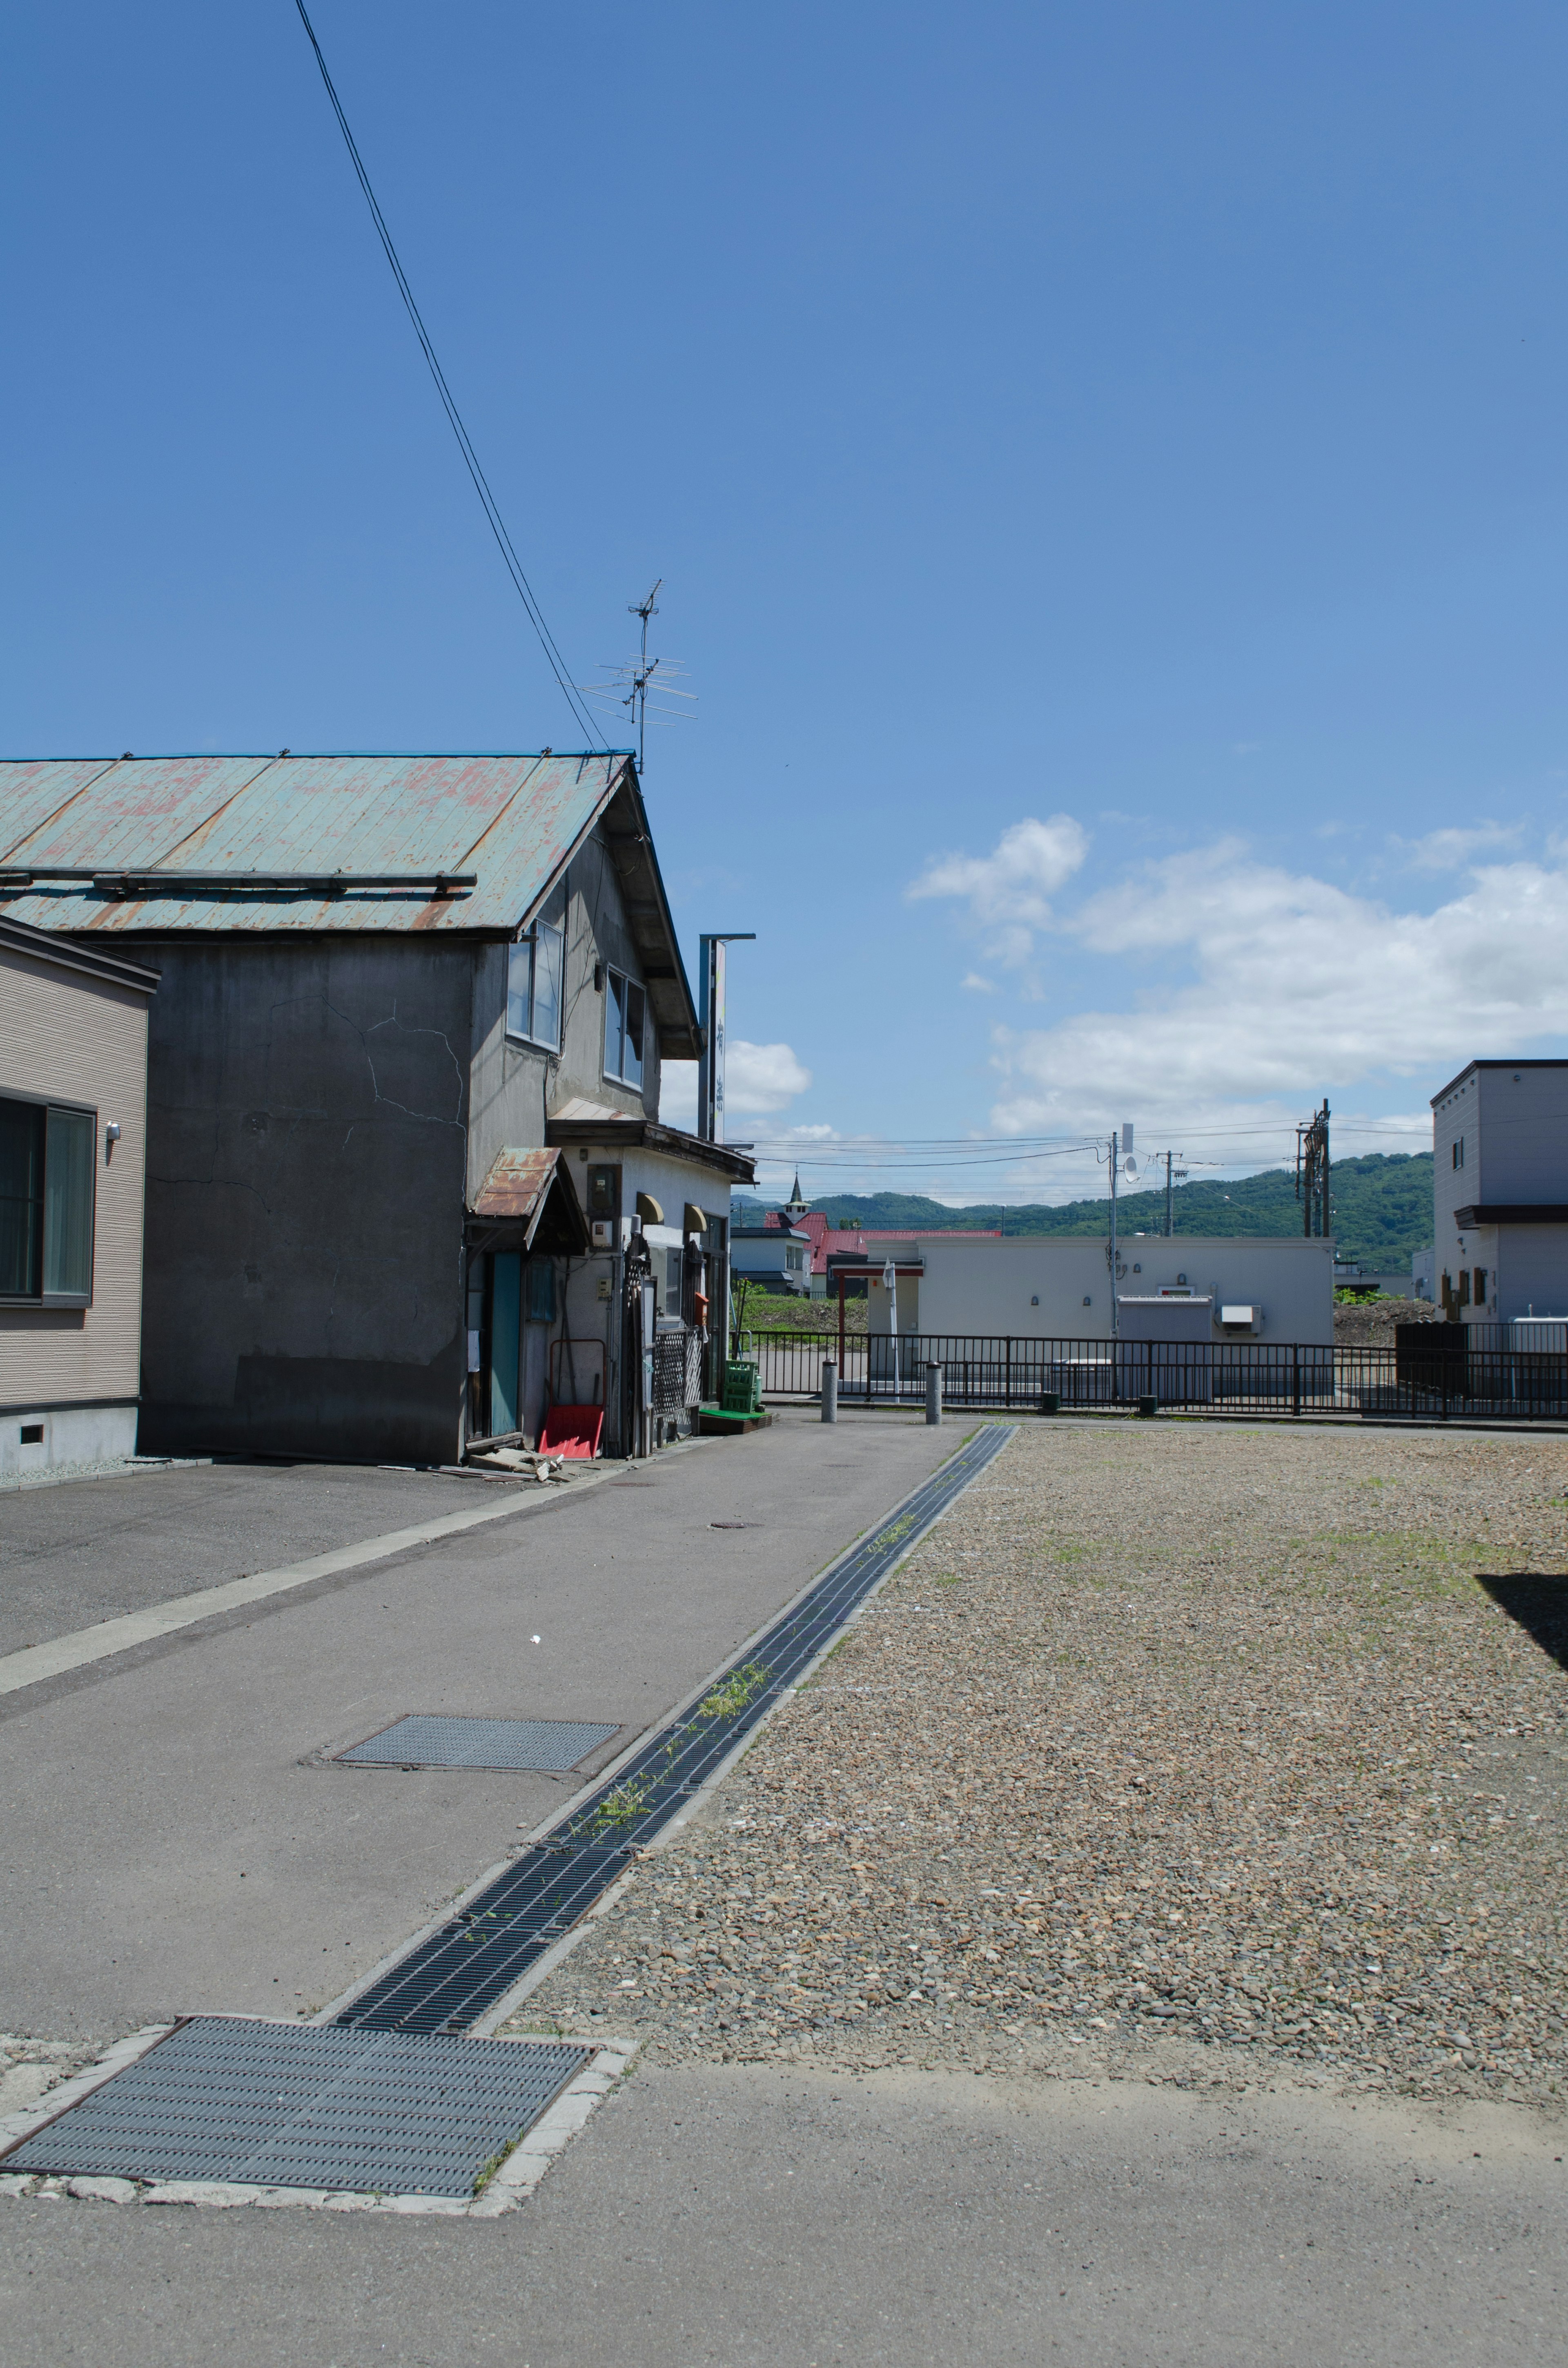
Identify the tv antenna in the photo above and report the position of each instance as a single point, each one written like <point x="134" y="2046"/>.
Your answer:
<point x="632" y="679"/>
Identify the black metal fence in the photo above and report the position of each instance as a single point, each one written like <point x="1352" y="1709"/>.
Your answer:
<point x="1438" y="1377"/>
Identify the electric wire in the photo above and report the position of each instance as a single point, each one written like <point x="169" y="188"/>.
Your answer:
<point x="497" y="524"/>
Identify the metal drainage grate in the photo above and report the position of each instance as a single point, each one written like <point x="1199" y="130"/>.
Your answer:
<point x="273" y="2104"/>
<point x="449" y="1980"/>
<point x="421" y="1741"/>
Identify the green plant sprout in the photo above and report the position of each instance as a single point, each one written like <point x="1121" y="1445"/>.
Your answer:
<point x="735" y="1692"/>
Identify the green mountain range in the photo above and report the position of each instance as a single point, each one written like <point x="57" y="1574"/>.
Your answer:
<point x="1382" y="1209"/>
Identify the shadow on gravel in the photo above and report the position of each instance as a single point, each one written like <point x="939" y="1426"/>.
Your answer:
<point x="1538" y="1601"/>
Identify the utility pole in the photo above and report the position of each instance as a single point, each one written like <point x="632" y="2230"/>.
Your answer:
<point x="711" y="1012"/>
<point x="1120" y="1158"/>
<point x="1312" y="1173"/>
<point x="1167" y="1196"/>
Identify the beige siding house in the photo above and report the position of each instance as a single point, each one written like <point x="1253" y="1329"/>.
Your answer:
<point x="72" y="1157"/>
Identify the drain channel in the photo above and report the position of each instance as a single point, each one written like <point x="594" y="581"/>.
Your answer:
<point x="449" y="1980"/>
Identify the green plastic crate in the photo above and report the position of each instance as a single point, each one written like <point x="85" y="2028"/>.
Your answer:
<point x="743" y="1387"/>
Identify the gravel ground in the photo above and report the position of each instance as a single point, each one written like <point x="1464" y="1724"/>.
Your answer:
<point x="1371" y="1324"/>
<point x="1175" y="1752"/>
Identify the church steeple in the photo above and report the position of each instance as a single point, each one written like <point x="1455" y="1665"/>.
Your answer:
<point x="796" y="1205"/>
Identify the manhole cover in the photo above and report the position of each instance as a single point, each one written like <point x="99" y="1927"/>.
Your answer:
<point x="271" y="2104"/>
<point x="423" y="1741"/>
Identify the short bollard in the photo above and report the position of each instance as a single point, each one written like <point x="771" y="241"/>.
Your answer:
<point x="933" y="1393"/>
<point x="829" y="1390"/>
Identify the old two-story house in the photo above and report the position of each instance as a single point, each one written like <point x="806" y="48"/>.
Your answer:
<point x="1500" y="1192"/>
<point x="406" y="1183"/>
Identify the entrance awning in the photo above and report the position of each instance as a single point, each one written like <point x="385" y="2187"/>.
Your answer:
<point x="527" y="1203"/>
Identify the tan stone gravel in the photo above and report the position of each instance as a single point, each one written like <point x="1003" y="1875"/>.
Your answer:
<point x="1175" y="1750"/>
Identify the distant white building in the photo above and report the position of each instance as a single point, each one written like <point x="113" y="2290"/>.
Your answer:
<point x="1500" y="1192"/>
<point x="779" y="1254"/>
<point x="1208" y="1287"/>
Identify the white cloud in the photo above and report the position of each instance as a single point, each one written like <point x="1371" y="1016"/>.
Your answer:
<point x="1456" y="850"/>
<point x="761" y="1077"/>
<point x="1295" y="985"/>
<point x="1009" y="891"/>
<point x="978" y="986"/>
<point x="758" y="1078"/>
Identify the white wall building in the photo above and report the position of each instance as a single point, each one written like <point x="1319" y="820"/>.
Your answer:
<point x="1500" y="1191"/>
<point x="777" y="1255"/>
<point x="1210" y="1287"/>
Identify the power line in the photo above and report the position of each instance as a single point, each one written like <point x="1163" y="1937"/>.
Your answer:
<point x="558" y="665"/>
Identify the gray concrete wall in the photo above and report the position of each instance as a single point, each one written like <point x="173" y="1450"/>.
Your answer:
<point x="516" y="1085"/>
<point x="307" y="1140"/>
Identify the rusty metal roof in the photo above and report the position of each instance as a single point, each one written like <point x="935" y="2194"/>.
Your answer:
<point x="517" y="1183"/>
<point x="512" y="820"/>
<point x="323" y="845"/>
<point x="519" y="1188"/>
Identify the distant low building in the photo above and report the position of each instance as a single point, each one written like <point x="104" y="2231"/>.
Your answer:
<point x="1214" y="1287"/>
<point x="777" y="1256"/>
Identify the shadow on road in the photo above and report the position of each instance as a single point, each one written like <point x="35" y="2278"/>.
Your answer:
<point x="1538" y="1601"/>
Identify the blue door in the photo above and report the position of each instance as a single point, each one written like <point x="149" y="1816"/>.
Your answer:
<point x="506" y="1314"/>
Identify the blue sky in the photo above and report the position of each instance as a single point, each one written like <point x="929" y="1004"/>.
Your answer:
<point x="1105" y="466"/>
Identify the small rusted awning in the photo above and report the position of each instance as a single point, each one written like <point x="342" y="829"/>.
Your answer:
<point x="527" y="1201"/>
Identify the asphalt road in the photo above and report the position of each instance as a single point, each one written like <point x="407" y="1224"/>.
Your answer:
<point x="173" y="1841"/>
<point x="88" y="1550"/>
<point x="736" y="2217"/>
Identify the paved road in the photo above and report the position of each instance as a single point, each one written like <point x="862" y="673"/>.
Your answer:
<point x="172" y="1840"/>
<point x="735" y="2216"/>
<point x="88" y="1550"/>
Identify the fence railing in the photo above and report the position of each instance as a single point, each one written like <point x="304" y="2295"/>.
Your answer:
<point x="1442" y="1378"/>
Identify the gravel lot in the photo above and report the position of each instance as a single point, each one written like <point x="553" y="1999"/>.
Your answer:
<point x="1176" y="1751"/>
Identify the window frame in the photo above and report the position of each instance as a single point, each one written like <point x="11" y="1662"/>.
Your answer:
<point x="531" y="938"/>
<point x="630" y="987"/>
<point x="68" y="1299"/>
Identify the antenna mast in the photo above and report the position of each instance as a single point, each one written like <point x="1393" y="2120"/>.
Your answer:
<point x="643" y="609"/>
<point x="631" y="679"/>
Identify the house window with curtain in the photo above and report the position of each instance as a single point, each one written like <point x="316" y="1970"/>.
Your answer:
<point x="47" y="1180"/>
<point x="535" y="968"/>
<point x="625" y="1018"/>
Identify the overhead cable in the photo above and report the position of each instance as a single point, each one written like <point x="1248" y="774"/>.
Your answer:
<point x="558" y="665"/>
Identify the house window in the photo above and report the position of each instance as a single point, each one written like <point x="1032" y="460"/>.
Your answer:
<point x="1480" y="1286"/>
<point x="1459" y="1151"/>
<point x="625" y="1014"/>
<point x="534" y="970"/>
<point x="47" y="1177"/>
<point x="674" y="1268"/>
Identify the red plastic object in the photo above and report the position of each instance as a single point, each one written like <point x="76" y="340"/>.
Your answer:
<point x="571" y="1430"/>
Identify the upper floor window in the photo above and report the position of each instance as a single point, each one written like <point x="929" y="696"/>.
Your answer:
<point x="534" y="970"/>
<point x="47" y="1175"/>
<point x="1459" y="1151"/>
<point x="625" y="1019"/>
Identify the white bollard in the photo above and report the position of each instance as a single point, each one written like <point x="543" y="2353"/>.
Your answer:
<point x="829" y="1390"/>
<point x="933" y="1393"/>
